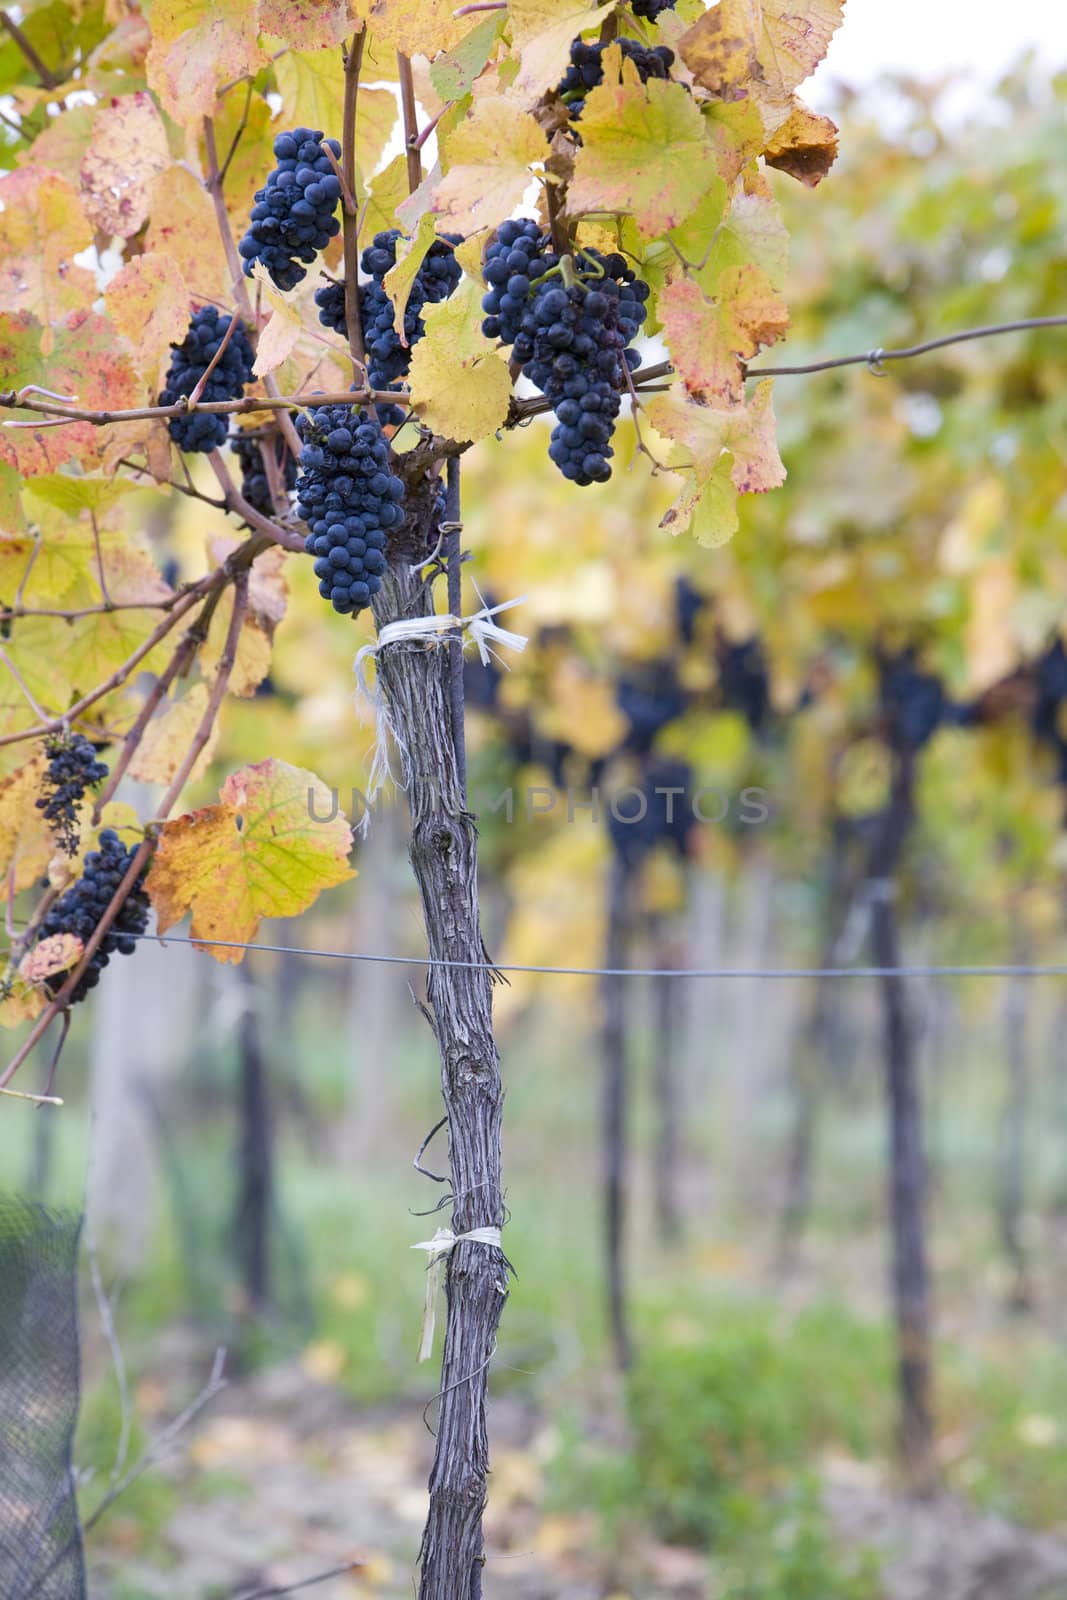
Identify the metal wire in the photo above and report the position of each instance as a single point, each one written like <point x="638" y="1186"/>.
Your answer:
<point x="958" y="971"/>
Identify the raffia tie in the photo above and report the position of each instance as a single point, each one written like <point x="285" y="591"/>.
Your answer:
<point x="439" y="1248"/>
<point x="421" y="630"/>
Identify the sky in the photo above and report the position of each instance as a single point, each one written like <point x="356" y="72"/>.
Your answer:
<point x="928" y="38"/>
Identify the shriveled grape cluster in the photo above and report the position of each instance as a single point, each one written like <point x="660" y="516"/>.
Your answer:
<point x="349" y="499"/>
<point x="79" y="910"/>
<point x="294" y="216"/>
<point x="586" y="70"/>
<point x="571" y="334"/>
<point x="205" y="430"/>
<point x="72" y="770"/>
<point x="254" y="485"/>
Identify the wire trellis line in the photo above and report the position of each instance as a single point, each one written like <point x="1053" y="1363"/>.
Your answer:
<point x="950" y="971"/>
<point x="874" y="358"/>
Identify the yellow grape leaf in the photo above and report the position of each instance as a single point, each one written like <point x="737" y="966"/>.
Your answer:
<point x="258" y="853"/>
<point x="644" y="151"/>
<point x="388" y="190"/>
<point x="418" y="27"/>
<point x="312" y="87"/>
<point x="268" y="587"/>
<point x="282" y="329"/>
<point x="581" y="710"/>
<point x="148" y="302"/>
<point x="991" y="646"/>
<point x="542" y="31"/>
<point x="711" y="339"/>
<point x="453" y="75"/>
<point x="793" y="40"/>
<point x="720" y="49"/>
<point x="20" y="1003"/>
<point x="58" y="953"/>
<point x="182" y="225"/>
<point x="168" y="737"/>
<point x="751" y="231"/>
<point x="25" y="838"/>
<point x="127" y="150"/>
<point x="460" y="384"/>
<point x="253" y="650"/>
<point x="196" y="49"/>
<point x="42" y="229"/>
<point x="804" y="145"/>
<point x="410" y="254"/>
<point x="490" y="156"/>
<point x="703" y="434"/>
<point x="305" y="24"/>
<point x="84" y="360"/>
<point x="60" y="147"/>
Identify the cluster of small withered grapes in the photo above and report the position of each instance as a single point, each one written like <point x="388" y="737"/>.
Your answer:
<point x="72" y="769"/>
<point x="569" y="321"/>
<point x="80" y="908"/>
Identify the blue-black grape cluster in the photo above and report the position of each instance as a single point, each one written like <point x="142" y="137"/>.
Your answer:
<point x="656" y="811"/>
<point x="295" y="214"/>
<point x="586" y="70"/>
<point x="349" y="499"/>
<point x="572" y="341"/>
<point x="79" y="910"/>
<point x="914" y="701"/>
<point x="254" y="486"/>
<point x="650" y="10"/>
<point x="388" y="359"/>
<point x="204" y="430"/>
<point x="72" y="769"/>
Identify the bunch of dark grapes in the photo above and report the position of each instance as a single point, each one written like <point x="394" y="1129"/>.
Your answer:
<point x="254" y="485"/>
<point x="349" y="499"/>
<point x="649" y="697"/>
<point x="914" y="701"/>
<point x="586" y="70"/>
<point x="204" y="430"/>
<point x="663" y="814"/>
<point x="520" y="253"/>
<point x="79" y="910"/>
<point x="72" y="769"/>
<point x="650" y="10"/>
<point x="388" y="359"/>
<point x="744" y="682"/>
<point x="294" y="216"/>
<point x="571" y="338"/>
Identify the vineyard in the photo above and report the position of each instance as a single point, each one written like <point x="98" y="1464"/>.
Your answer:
<point x="533" y="776"/>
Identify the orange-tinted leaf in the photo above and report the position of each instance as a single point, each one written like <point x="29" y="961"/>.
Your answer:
<point x="711" y="339"/>
<point x="805" y="145"/>
<point x="259" y="853"/>
<point x="86" y="361"/>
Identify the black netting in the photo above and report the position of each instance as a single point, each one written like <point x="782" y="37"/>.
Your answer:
<point x="40" y="1536"/>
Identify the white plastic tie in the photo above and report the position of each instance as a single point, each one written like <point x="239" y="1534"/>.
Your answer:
<point x="426" y="630"/>
<point x="439" y="1248"/>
